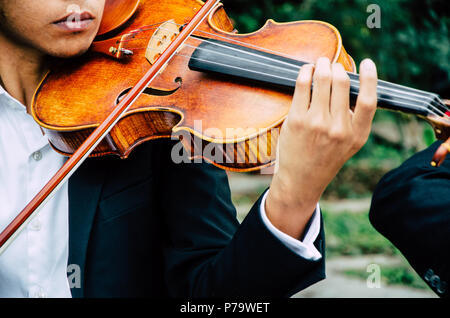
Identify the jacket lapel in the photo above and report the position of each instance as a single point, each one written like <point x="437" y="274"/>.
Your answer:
<point x="84" y="193"/>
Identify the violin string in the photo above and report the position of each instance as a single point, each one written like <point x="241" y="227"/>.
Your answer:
<point x="432" y="110"/>
<point x="151" y="27"/>
<point x="408" y="105"/>
<point x="435" y="110"/>
<point x="295" y="72"/>
<point x="419" y="106"/>
<point x="422" y="95"/>
<point x="429" y="96"/>
<point x="147" y="27"/>
<point x="418" y="92"/>
<point x="355" y="83"/>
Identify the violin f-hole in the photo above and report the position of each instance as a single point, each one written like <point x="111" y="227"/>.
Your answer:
<point x="153" y="91"/>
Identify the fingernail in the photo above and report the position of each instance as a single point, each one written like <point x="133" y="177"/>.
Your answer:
<point x="368" y="65"/>
<point x="338" y="65"/>
<point x="323" y="60"/>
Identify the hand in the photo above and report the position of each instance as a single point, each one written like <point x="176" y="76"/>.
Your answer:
<point x="318" y="136"/>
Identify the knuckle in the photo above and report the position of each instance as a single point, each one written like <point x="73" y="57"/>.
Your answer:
<point x="367" y="102"/>
<point x="370" y="77"/>
<point x="296" y="122"/>
<point x="341" y="79"/>
<point x="337" y="135"/>
<point x="322" y="75"/>
<point x="317" y="126"/>
<point x="303" y="82"/>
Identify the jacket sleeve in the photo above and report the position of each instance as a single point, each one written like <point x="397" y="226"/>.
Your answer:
<point x="207" y="252"/>
<point x="411" y="208"/>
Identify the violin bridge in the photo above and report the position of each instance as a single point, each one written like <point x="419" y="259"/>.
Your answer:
<point x="161" y="39"/>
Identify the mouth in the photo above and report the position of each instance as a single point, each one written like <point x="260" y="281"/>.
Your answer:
<point x="75" y="21"/>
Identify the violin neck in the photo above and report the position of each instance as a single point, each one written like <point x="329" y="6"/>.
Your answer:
<point x="270" y="69"/>
<point x="404" y="99"/>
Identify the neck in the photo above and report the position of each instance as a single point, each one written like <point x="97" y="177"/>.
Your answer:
<point x="21" y="70"/>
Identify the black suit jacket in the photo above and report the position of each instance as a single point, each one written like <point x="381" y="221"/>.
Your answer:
<point x="148" y="227"/>
<point x="411" y="207"/>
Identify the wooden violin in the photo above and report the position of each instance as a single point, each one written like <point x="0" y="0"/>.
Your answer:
<point x="236" y="87"/>
<point x="181" y="70"/>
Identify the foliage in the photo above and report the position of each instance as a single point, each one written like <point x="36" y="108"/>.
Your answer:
<point x="393" y="275"/>
<point x="351" y="234"/>
<point x="412" y="47"/>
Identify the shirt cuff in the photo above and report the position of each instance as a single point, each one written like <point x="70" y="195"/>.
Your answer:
<point x="305" y="248"/>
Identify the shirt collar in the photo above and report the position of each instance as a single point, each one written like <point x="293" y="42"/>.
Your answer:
<point x="11" y="101"/>
<point x="33" y="134"/>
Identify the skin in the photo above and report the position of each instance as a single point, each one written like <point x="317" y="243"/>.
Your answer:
<point x="28" y="37"/>
<point x="319" y="135"/>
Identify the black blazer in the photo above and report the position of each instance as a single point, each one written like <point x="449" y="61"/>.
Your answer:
<point x="146" y="227"/>
<point x="411" y="207"/>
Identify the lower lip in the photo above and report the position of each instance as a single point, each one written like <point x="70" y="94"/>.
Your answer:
<point x="75" y="26"/>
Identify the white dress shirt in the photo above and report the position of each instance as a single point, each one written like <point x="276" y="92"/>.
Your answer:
<point x="35" y="264"/>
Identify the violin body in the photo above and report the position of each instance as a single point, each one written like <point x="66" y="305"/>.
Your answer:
<point x="226" y="121"/>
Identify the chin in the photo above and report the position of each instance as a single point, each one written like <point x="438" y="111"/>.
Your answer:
<point x="68" y="47"/>
<point x="69" y="52"/>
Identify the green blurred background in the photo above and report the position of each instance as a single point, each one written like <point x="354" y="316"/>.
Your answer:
<point x="411" y="48"/>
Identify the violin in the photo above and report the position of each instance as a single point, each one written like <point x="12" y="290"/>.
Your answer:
<point x="182" y="71"/>
<point x="236" y="85"/>
<point x="239" y="83"/>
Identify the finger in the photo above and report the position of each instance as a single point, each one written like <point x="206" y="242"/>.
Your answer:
<point x="366" y="102"/>
<point x="302" y="94"/>
<point x="340" y="94"/>
<point x="320" y="101"/>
